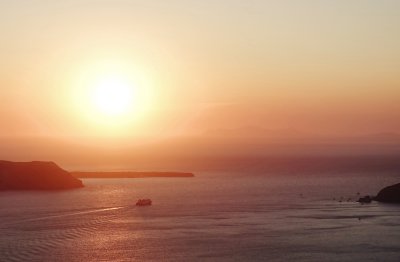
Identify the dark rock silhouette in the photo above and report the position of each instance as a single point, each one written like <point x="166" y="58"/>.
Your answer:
<point x="35" y="175"/>
<point x="365" y="200"/>
<point x="390" y="194"/>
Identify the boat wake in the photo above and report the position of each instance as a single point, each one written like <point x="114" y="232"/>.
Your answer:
<point x="75" y="213"/>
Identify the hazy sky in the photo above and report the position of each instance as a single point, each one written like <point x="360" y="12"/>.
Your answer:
<point x="314" y="67"/>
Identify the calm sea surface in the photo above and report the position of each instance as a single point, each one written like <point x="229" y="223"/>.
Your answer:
<point x="212" y="217"/>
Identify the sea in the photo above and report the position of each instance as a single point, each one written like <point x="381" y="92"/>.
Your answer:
<point x="214" y="216"/>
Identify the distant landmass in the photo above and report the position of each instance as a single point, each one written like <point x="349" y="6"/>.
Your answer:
<point x="129" y="174"/>
<point x="36" y="175"/>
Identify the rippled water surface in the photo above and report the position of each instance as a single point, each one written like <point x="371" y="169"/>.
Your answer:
<point x="212" y="217"/>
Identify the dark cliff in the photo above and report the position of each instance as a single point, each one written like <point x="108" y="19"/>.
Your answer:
<point x="35" y="175"/>
<point x="390" y="194"/>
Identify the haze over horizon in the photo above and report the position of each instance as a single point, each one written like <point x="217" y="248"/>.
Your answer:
<point x="198" y="77"/>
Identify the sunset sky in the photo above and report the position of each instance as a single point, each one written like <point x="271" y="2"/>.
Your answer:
<point x="202" y="69"/>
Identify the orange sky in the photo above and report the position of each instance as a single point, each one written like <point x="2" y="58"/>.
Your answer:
<point x="269" y="69"/>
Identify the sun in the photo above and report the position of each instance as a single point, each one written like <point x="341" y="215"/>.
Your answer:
<point x="110" y="97"/>
<point x="113" y="96"/>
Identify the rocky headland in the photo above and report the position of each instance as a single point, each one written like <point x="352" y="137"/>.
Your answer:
<point x="36" y="175"/>
<point x="390" y="194"/>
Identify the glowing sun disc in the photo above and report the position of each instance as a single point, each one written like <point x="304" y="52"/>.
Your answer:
<point x="113" y="96"/>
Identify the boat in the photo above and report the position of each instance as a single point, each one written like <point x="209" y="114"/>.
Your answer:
<point x="144" y="202"/>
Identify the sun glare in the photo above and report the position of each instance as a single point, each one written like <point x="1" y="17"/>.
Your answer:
<point x="113" y="96"/>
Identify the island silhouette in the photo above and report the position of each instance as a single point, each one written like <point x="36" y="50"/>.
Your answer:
<point x="129" y="174"/>
<point x="35" y="175"/>
<point x="47" y="175"/>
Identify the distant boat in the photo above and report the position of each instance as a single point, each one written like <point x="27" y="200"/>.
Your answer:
<point x="144" y="202"/>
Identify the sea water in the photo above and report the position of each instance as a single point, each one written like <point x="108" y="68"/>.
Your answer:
<point x="211" y="217"/>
